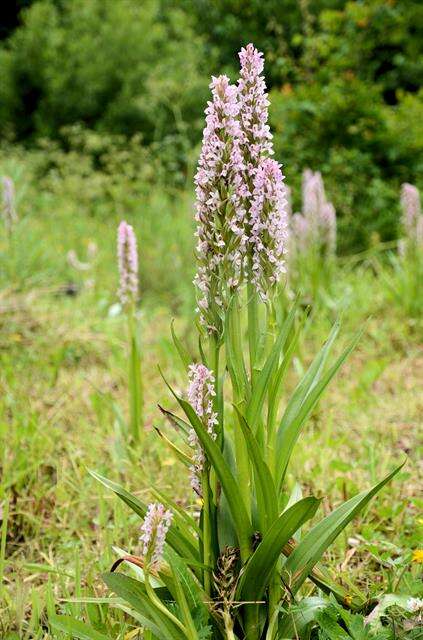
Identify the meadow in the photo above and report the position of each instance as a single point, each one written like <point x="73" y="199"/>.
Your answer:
<point x="64" y="396"/>
<point x="211" y="363"/>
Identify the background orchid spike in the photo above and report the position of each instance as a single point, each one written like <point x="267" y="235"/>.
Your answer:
<point x="412" y="218"/>
<point x="316" y="226"/>
<point x="9" y="208"/>
<point x="299" y="233"/>
<point x="128" y="263"/>
<point x="153" y="533"/>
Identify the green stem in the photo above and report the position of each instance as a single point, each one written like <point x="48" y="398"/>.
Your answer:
<point x="275" y="593"/>
<point x="135" y="380"/>
<point x="229" y="625"/>
<point x="159" y="604"/>
<point x="252" y="623"/>
<point x="242" y="464"/>
<point x="207" y="533"/>
<point x="214" y="355"/>
<point x="240" y="390"/>
<point x="253" y="327"/>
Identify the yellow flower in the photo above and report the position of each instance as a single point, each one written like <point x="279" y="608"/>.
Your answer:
<point x="417" y="556"/>
<point x="168" y="462"/>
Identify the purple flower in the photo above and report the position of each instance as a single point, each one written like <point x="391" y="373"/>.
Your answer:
<point x="219" y="210"/>
<point x="262" y="179"/>
<point x="299" y="233"/>
<point x="253" y="102"/>
<point x="153" y="533"/>
<point x="9" y="210"/>
<point x="328" y="227"/>
<point x="412" y="219"/>
<point x="268" y="225"/>
<point x="316" y="227"/>
<point x="241" y="231"/>
<point x="128" y="263"/>
<point x="201" y="393"/>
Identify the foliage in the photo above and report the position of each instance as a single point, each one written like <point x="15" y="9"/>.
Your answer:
<point x="115" y="66"/>
<point x="345" y="79"/>
<point x="343" y="129"/>
<point x="393" y="621"/>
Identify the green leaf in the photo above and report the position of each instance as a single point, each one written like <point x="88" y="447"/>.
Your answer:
<point x="264" y="378"/>
<point x="258" y="571"/>
<point x="234" y="350"/>
<point x="185" y="357"/>
<point x="181" y="583"/>
<point x="75" y="628"/>
<point x="229" y="484"/>
<point x="265" y="487"/>
<point x="223" y="472"/>
<point x="179" y="454"/>
<point x="183" y="544"/>
<point x="276" y="386"/>
<point x="133" y="592"/>
<point x="294" y="621"/>
<point x="301" y="404"/>
<point x="175" y="421"/>
<point x="309" y="551"/>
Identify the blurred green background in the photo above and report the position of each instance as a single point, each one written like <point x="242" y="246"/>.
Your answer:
<point x="114" y="90"/>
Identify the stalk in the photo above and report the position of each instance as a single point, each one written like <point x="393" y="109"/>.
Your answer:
<point x="229" y="626"/>
<point x="135" y="380"/>
<point x="159" y="604"/>
<point x="239" y="397"/>
<point x="274" y="594"/>
<point x="253" y="327"/>
<point x="214" y="354"/>
<point x="207" y="541"/>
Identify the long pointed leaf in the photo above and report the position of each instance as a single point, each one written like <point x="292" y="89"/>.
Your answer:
<point x="297" y="412"/>
<point x="223" y="472"/>
<point x="261" y="385"/>
<point x="75" y="628"/>
<point x="259" y="569"/>
<point x="133" y="592"/>
<point x="178" y="540"/>
<point x="265" y="487"/>
<point x="309" y="551"/>
<point x="185" y="357"/>
<point x="179" y="454"/>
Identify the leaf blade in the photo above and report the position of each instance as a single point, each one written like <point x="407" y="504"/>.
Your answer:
<point x="311" y="548"/>
<point x="261" y="564"/>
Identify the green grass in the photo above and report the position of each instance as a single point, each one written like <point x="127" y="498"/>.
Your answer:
<point x="63" y="383"/>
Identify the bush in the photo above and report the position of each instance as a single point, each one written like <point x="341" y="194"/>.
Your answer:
<point x="116" y="66"/>
<point x="344" y="130"/>
<point x="345" y="79"/>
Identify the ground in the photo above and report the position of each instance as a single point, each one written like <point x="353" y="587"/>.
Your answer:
<point x="63" y="372"/>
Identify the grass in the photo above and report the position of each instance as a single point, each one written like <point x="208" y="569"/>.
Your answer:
<point x="62" y="359"/>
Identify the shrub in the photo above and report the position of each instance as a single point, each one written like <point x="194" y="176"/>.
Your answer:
<point x="120" y="66"/>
